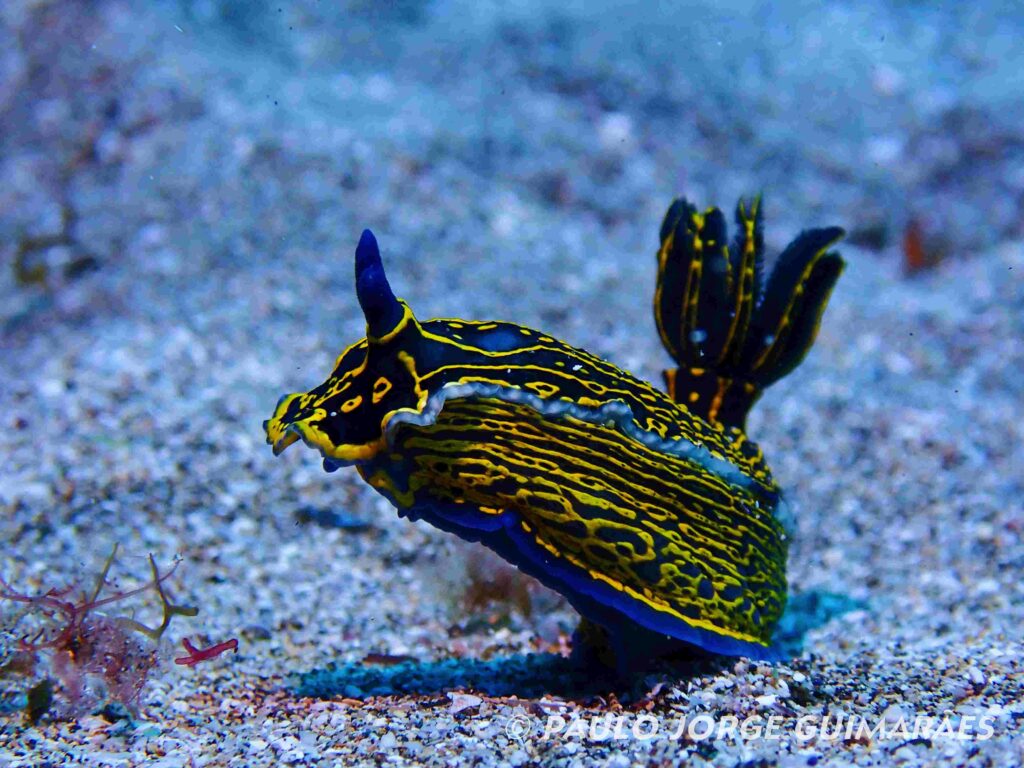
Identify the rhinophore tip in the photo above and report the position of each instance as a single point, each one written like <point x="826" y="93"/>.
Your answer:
<point x="378" y="302"/>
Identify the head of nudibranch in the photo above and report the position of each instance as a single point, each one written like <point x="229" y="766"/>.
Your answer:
<point x="652" y="512"/>
<point x="373" y="380"/>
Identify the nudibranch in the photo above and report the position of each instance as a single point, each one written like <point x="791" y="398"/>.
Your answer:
<point x="650" y="511"/>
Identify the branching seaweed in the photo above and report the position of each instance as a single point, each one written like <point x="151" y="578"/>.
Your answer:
<point x="85" y="645"/>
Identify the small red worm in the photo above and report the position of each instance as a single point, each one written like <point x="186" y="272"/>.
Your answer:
<point x="196" y="655"/>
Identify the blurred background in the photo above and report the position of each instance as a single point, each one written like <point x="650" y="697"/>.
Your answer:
<point x="187" y="136"/>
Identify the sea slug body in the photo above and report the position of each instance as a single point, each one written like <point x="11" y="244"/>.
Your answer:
<point x="650" y="510"/>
